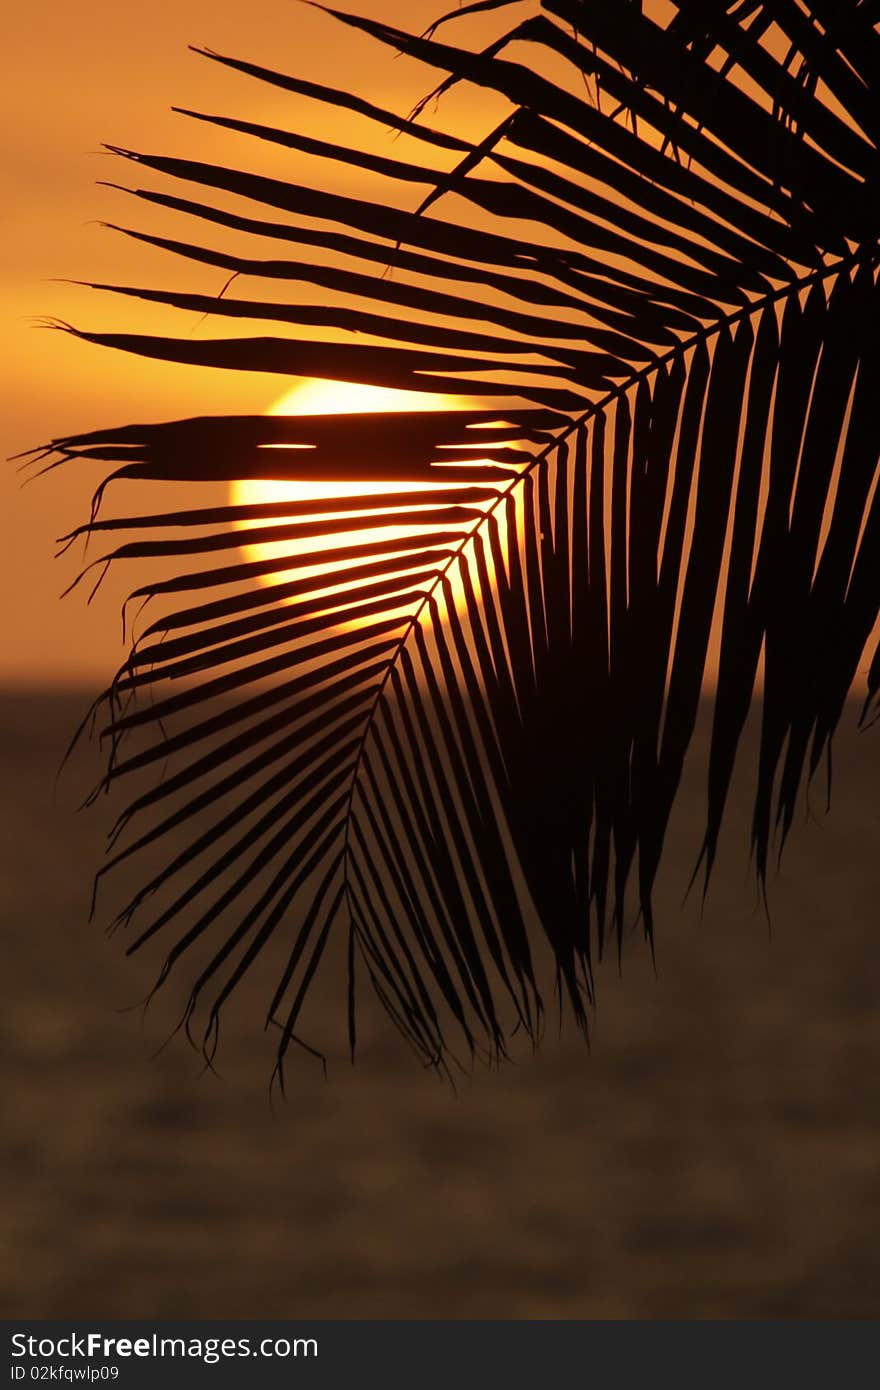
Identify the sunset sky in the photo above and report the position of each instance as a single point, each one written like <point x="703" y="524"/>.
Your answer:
<point x="80" y="76"/>
<point x="77" y="76"/>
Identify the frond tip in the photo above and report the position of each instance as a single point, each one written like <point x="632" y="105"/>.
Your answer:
<point x="456" y="740"/>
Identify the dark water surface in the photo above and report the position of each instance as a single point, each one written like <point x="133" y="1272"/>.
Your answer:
<point x="716" y="1153"/>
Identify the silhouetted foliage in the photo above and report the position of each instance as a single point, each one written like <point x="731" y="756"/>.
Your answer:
<point x="675" y="435"/>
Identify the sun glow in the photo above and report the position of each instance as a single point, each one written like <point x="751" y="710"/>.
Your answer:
<point x="338" y="398"/>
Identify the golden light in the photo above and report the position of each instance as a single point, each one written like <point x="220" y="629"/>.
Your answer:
<point x="337" y="398"/>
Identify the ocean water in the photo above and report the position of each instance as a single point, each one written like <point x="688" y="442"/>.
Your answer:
<point x="715" y="1152"/>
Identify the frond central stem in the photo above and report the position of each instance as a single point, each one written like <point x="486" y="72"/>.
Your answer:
<point x="704" y="335"/>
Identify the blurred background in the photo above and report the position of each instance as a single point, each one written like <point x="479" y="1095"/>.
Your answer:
<point x="713" y="1154"/>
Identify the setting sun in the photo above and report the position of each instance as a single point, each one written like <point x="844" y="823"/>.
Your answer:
<point x="339" y="398"/>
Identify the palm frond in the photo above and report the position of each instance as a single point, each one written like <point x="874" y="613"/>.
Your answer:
<point x="465" y="735"/>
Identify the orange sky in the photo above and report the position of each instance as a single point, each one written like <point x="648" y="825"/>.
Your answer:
<point x="76" y="76"/>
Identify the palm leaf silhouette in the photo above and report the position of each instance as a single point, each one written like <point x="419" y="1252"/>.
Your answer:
<point x="472" y="745"/>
